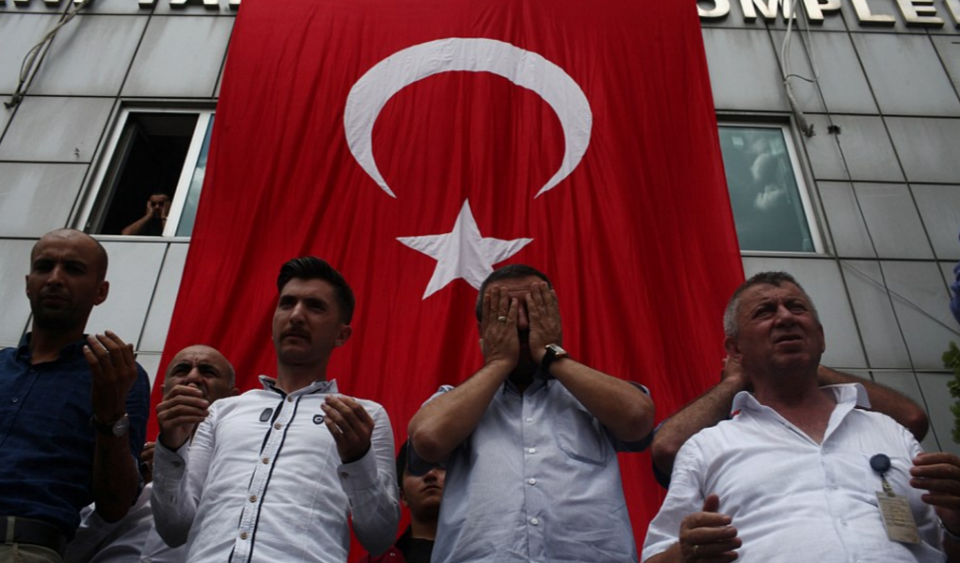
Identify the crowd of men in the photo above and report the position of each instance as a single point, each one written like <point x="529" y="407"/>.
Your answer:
<point x="782" y="460"/>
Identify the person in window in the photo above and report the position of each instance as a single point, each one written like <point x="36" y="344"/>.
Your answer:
<point x="74" y="411"/>
<point x="422" y="494"/>
<point x="154" y="220"/>
<point x="799" y="473"/>
<point x="530" y="440"/>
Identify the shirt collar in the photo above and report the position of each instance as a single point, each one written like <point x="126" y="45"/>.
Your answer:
<point x="70" y="350"/>
<point x="539" y="380"/>
<point x="843" y="393"/>
<point x="270" y="384"/>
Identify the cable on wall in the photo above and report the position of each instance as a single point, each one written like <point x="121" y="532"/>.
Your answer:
<point x="791" y="9"/>
<point x="33" y="56"/>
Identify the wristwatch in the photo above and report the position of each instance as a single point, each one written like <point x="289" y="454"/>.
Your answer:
<point x="554" y="353"/>
<point x="116" y="428"/>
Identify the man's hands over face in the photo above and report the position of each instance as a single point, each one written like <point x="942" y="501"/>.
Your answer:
<point x="350" y="424"/>
<point x="114" y="371"/>
<point x="500" y="341"/>
<point x="543" y="317"/>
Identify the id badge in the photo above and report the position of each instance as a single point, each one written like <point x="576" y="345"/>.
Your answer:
<point x="898" y="518"/>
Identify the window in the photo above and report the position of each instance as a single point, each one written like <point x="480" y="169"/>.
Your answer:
<point x="770" y="203"/>
<point x="151" y="184"/>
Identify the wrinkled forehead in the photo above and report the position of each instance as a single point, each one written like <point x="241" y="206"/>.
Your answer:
<point x="762" y="293"/>
<point x="76" y="248"/>
<point x="199" y="355"/>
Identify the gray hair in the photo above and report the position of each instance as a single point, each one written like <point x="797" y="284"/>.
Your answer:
<point x="730" y="327"/>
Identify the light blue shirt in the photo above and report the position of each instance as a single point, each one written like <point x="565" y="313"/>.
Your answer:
<point x="537" y="481"/>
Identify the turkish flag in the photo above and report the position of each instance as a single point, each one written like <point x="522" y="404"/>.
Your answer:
<point x="417" y="144"/>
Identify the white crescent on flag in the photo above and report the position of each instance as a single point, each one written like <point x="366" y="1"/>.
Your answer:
<point x="524" y="68"/>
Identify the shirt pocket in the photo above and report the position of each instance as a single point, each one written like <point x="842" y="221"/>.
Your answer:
<point x="580" y="436"/>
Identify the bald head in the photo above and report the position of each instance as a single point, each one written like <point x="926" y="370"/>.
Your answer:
<point x="204" y="368"/>
<point x="83" y="243"/>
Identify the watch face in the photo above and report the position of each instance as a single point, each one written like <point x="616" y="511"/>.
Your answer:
<point x="121" y="426"/>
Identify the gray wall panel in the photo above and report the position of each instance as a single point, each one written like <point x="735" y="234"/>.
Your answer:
<point x="841" y="78"/>
<point x="875" y="316"/>
<point x="928" y="148"/>
<point x="939" y="401"/>
<point x="849" y="232"/>
<point x="90" y="56"/>
<point x="940" y="210"/>
<point x="884" y="205"/>
<point x="36" y="198"/>
<point x="867" y="149"/>
<point x="15" y="257"/>
<point x="134" y="268"/>
<point x="20" y="31"/>
<point x="823" y="152"/>
<point x="920" y="300"/>
<point x="56" y="129"/>
<point x="906" y="75"/>
<point x="906" y="382"/>
<point x="179" y="57"/>
<point x="744" y="71"/>
<point x="806" y="93"/>
<point x="164" y="299"/>
<point x="821" y="279"/>
<point x="151" y="363"/>
<point x="948" y="46"/>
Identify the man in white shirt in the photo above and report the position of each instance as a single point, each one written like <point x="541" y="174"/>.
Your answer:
<point x="799" y="474"/>
<point x="134" y="539"/>
<point x="276" y="473"/>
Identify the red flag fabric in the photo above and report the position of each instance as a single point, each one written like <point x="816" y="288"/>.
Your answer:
<point x="417" y="144"/>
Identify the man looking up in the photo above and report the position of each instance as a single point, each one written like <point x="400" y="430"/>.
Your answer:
<point x="422" y="494"/>
<point x="531" y="440"/>
<point x="275" y="474"/>
<point x="134" y="538"/>
<point x="74" y="413"/>
<point x="799" y="474"/>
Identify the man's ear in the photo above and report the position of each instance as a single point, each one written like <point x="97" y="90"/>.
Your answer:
<point x="345" y="332"/>
<point x="733" y="349"/>
<point x="102" y="291"/>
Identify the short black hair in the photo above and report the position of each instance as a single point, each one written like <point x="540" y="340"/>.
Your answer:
<point x="776" y="279"/>
<point x="510" y="272"/>
<point x="311" y="268"/>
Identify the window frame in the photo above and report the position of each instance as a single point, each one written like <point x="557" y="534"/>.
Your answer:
<point x="91" y="207"/>
<point x="799" y="175"/>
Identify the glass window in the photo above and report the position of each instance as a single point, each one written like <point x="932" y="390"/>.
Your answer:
<point x="154" y="174"/>
<point x="770" y="204"/>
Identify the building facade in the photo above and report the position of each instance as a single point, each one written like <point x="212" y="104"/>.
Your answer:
<point x="840" y="134"/>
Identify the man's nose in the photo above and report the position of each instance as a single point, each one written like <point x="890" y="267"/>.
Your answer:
<point x="193" y="377"/>
<point x="784" y="315"/>
<point x="56" y="275"/>
<point x="296" y="313"/>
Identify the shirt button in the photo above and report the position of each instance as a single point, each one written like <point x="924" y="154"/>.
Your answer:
<point x="253" y="498"/>
<point x="531" y="481"/>
<point x="535" y="521"/>
<point x="14" y="400"/>
<point x="278" y="426"/>
<point x="289" y="399"/>
<point x="529" y="419"/>
<point x="243" y="535"/>
<point x="265" y="460"/>
<point x="344" y="474"/>
<point x="531" y="450"/>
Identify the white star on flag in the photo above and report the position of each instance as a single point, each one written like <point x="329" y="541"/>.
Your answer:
<point x="463" y="252"/>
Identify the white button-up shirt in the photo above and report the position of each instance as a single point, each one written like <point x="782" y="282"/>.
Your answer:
<point x="792" y="499"/>
<point x="263" y="482"/>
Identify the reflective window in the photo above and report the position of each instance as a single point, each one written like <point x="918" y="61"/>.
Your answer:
<point x="770" y="204"/>
<point x="151" y="183"/>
